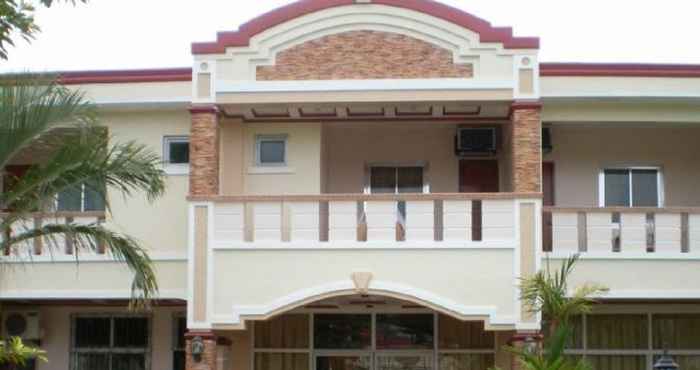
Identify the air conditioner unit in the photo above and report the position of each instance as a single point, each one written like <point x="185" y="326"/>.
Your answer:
<point x="23" y="324"/>
<point x="476" y="141"/>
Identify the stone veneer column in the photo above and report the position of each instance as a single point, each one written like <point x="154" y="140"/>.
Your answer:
<point x="526" y="147"/>
<point x="207" y="361"/>
<point x="204" y="150"/>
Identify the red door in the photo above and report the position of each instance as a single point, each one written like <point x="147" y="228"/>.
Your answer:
<point x="478" y="176"/>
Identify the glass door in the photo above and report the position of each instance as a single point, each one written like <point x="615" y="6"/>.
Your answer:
<point x="409" y="360"/>
<point x="343" y="361"/>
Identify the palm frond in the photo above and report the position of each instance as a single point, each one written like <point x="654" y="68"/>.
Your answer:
<point x="89" y="238"/>
<point x="90" y="160"/>
<point x="32" y="104"/>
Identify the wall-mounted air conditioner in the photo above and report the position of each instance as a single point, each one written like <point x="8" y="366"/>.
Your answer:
<point x="476" y="141"/>
<point x="23" y="324"/>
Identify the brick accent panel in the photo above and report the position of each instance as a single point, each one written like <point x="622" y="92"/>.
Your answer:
<point x="208" y="359"/>
<point x="526" y="148"/>
<point x="204" y="152"/>
<point x="364" y="55"/>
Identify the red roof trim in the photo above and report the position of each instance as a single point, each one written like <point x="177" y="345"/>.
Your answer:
<point x="124" y="76"/>
<point x="619" y="70"/>
<point x="546" y="70"/>
<point x="300" y="8"/>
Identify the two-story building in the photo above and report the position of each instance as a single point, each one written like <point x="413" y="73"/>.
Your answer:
<point x="361" y="185"/>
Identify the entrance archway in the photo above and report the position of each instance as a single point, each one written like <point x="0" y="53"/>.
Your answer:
<point x="370" y="332"/>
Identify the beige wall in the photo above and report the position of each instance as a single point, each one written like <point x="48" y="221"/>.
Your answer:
<point x="302" y="174"/>
<point x="66" y="279"/>
<point x="351" y="147"/>
<point x="468" y="278"/>
<point x="167" y="215"/>
<point x="580" y="152"/>
<point x="56" y="326"/>
<point x="631" y="278"/>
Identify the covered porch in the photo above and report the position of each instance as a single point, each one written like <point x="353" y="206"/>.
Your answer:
<point x="366" y="332"/>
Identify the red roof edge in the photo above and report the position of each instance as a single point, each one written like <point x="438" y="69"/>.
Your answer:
<point x="619" y="70"/>
<point x="546" y="70"/>
<point x="125" y="76"/>
<point x="242" y="37"/>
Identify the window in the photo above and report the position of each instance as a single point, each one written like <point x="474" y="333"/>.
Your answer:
<point x="110" y="342"/>
<point x="82" y="198"/>
<point x="271" y="150"/>
<point x="380" y="341"/>
<point x="464" y="345"/>
<point x="343" y="331"/>
<point x="177" y="150"/>
<point x="634" y="341"/>
<point x="405" y="331"/>
<point x="179" y="330"/>
<point x="396" y="179"/>
<point x="282" y="343"/>
<point x="631" y="187"/>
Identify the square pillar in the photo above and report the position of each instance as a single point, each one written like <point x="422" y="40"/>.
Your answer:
<point x="204" y="151"/>
<point x="526" y="147"/>
<point x="207" y="359"/>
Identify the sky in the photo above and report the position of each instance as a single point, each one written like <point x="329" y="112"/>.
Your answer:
<point x="127" y="34"/>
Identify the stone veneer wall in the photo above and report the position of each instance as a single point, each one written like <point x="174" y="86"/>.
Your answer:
<point x="526" y="149"/>
<point x="204" y="152"/>
<point x="364" y="55"/>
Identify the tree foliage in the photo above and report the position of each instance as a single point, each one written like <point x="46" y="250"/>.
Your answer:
<point x="36" y="113"/>
<point x="14" y="353"/>
<point x="17" y="19"/>
<point x="547" y="293"/>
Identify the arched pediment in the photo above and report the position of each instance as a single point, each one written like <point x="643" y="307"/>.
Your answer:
<point x="242" y="37"/>
<point x="488" y="314"/>
<point x="370" y="40"/>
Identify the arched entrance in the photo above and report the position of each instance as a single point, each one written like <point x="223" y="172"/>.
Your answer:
<point x="370" y="332"/>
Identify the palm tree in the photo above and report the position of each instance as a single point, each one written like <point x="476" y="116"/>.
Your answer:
<point x="547" y="293"/>
<point x="37" y="113"/>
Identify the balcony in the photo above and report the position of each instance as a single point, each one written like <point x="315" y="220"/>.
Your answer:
<point x="48" y="269"/>
<point x="458" y="253"/>
<point x="362" y="221"/>
<point x="639" y="253"/>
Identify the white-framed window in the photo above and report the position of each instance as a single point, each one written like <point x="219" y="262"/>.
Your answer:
<point x="631" y="187"/>
<point x="271" y="150"/>
<point x="178" y="341"/>
<point x="81" y="198"/>
<point x="176" y="154"/>
<point x="390" y="178"/>
<point x="104" y="341"/>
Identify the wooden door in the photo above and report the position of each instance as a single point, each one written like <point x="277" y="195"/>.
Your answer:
<point x="478" y="176"/>
<point x="547" y="201"/>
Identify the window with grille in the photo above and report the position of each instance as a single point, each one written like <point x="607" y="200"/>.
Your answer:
<point x="110" y="343"/>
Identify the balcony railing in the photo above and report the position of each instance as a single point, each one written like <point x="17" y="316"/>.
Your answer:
<point x="56" y="245"/>
<point x="632" y="231"/>
<point x="365" y="220"/>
